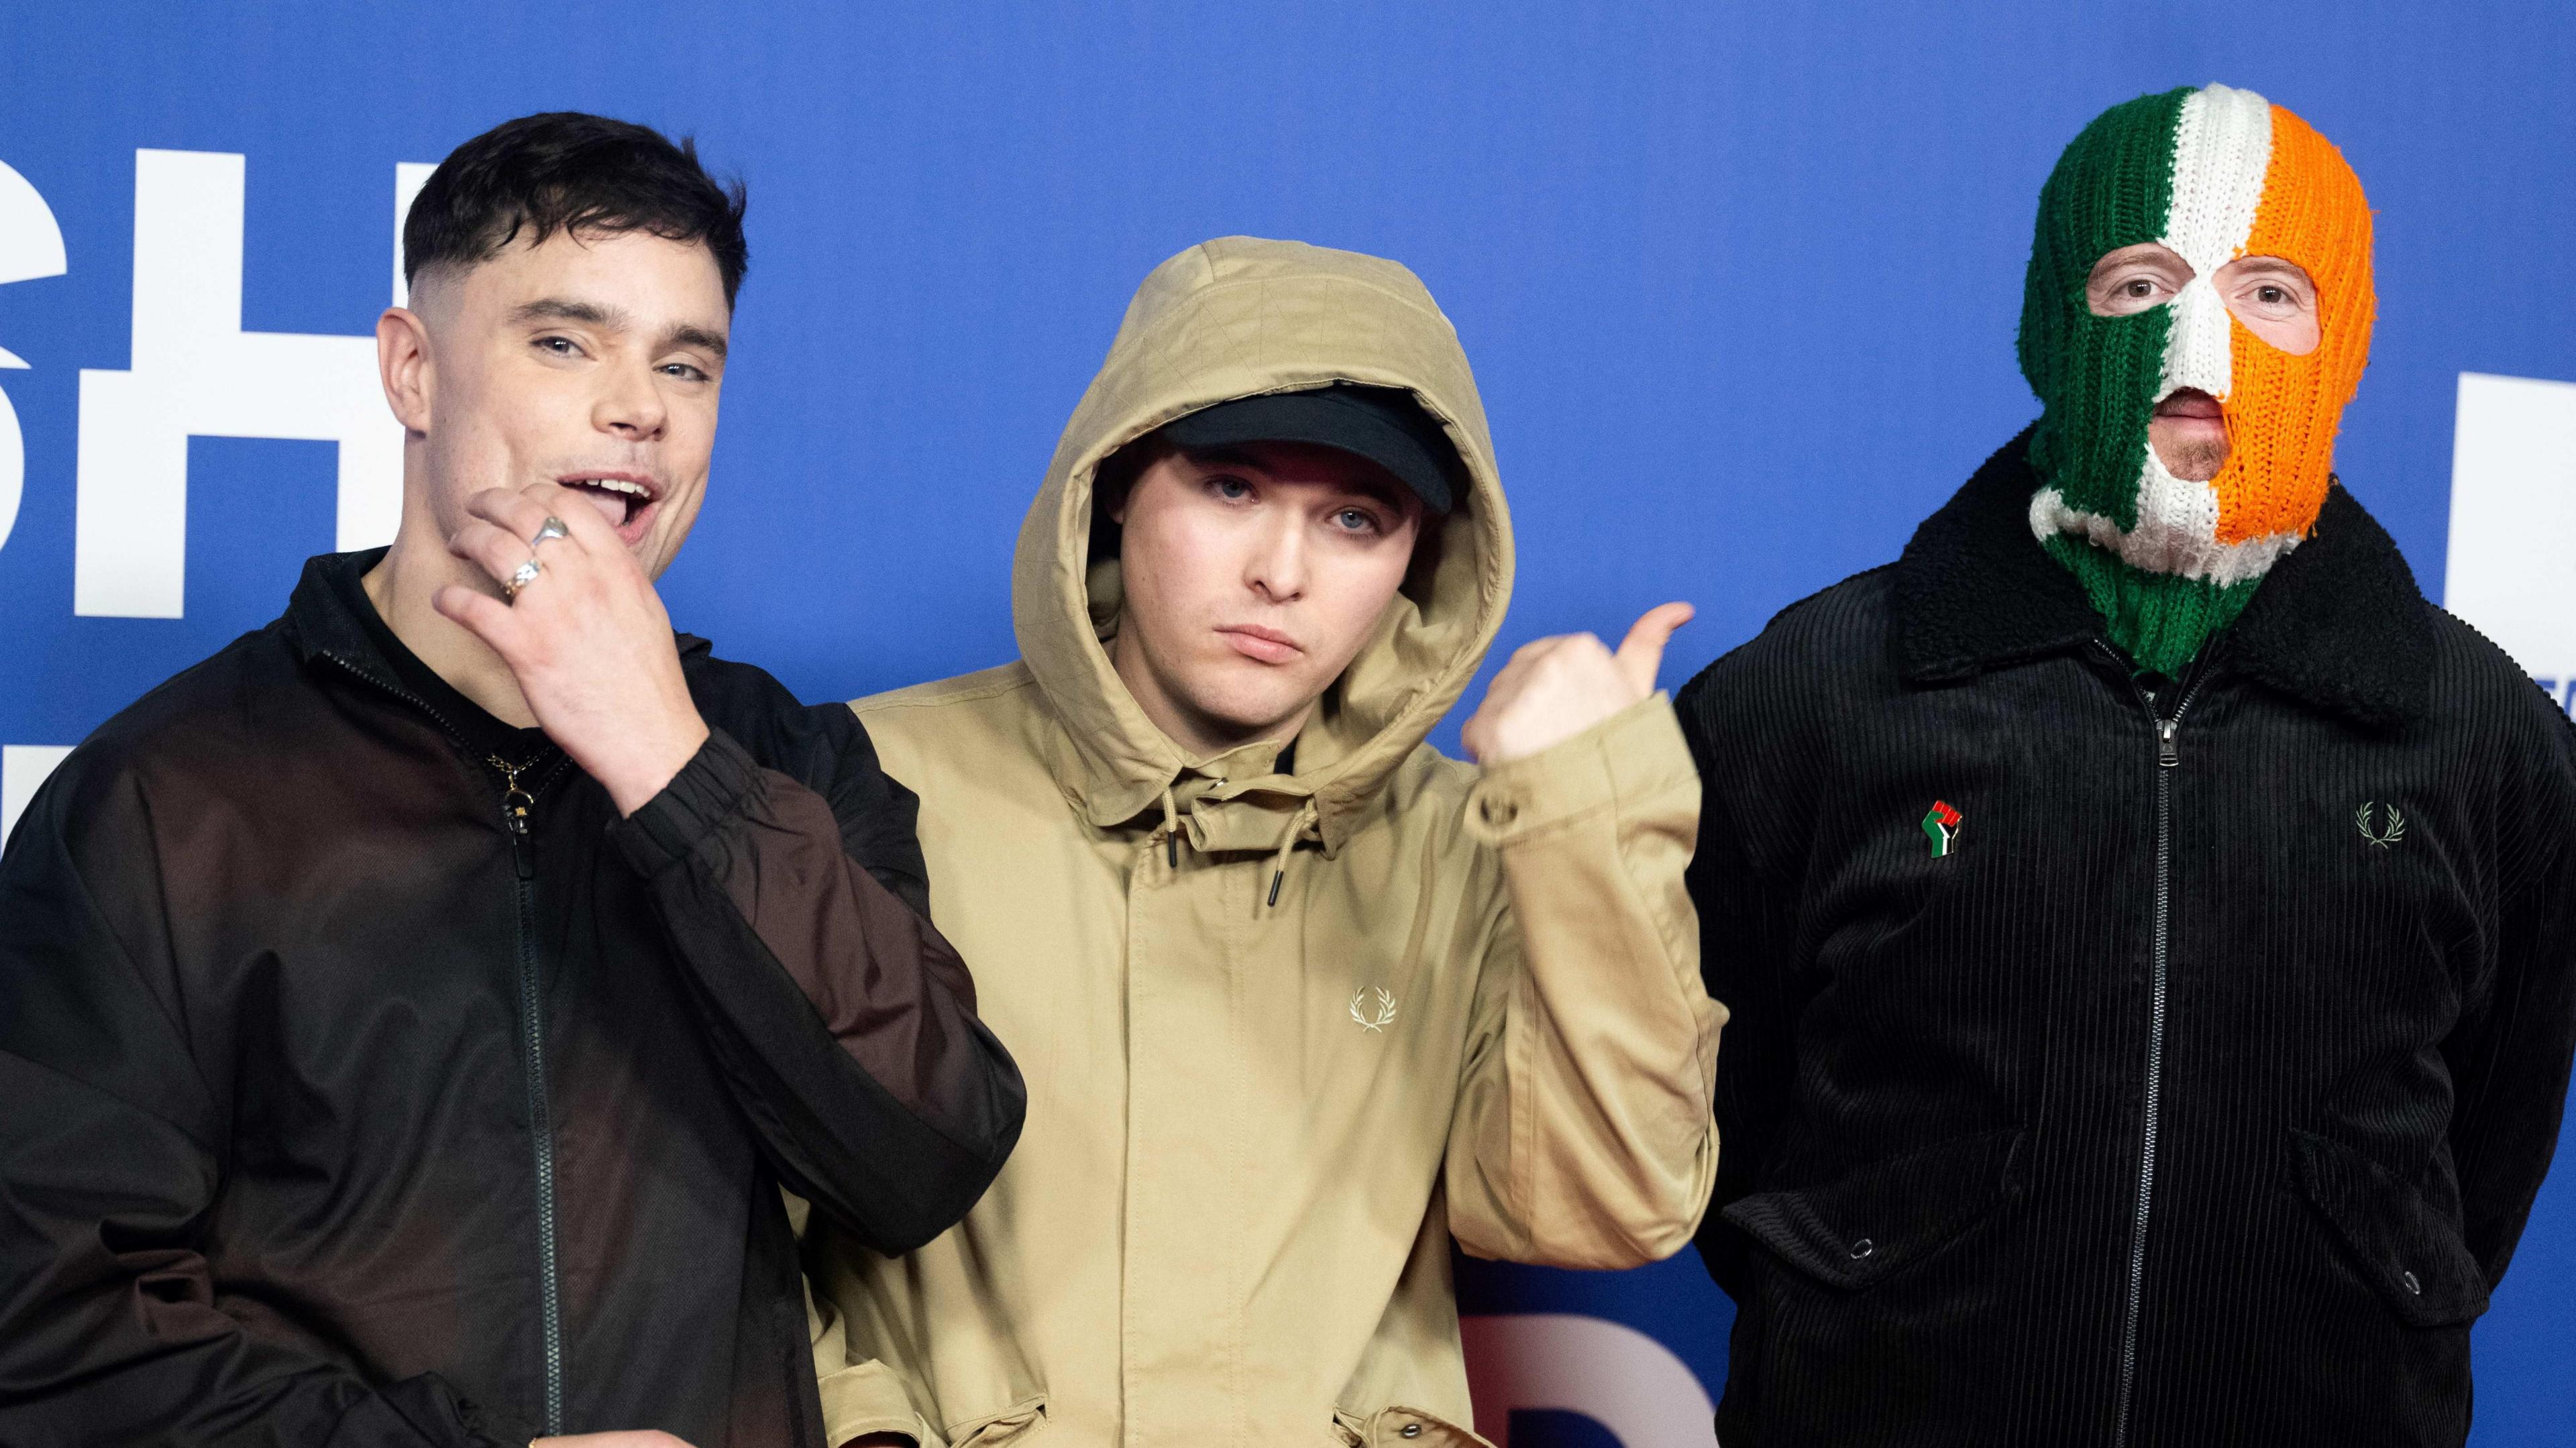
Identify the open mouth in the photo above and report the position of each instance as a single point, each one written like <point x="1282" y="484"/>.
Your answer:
<point x="626" y="500"/>
<point x="2191" y="402"/>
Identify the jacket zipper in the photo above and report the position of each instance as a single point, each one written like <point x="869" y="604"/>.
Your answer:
<point x="516" y="807"/>
<point x="517" y="812"/>
<point x="2168" y="756"/>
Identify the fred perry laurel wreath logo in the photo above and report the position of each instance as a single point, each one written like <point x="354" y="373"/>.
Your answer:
<point x="2386" y="835"/>
<point x="1374" y="1008"/>
<point x="1942" y="824"/>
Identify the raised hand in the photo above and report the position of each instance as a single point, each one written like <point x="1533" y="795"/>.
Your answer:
<point x="585" y="635"/>
<point x="1555" y="688"/>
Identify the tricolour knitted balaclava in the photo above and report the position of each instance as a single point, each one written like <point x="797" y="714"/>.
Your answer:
<point x="2212" y="174"/>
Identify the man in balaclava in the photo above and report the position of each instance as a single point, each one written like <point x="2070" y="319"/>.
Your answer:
<point x="2146" y="921"/>
<point x="2185" y="447"/>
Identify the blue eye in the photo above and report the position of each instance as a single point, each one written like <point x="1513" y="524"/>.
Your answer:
<point x="1356" y="520"/>
<point x="1230" y="488"/>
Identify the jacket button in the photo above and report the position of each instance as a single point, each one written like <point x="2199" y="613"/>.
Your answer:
<point x="1409" y="1430"/>
<point x="2411" y="1284"/>
<point x="1863" y="1249"/>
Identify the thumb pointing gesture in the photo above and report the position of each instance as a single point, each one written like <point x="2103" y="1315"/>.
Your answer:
<point x="1555" y="688"/>
<point x="1642" y="652"/>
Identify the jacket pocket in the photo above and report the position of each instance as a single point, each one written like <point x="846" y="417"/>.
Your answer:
<point x="2401" y="1245"/>
<point x="1401" y="1427"/>
<point x="1878" y="1219"/>
<point x="1013" y="1424"/>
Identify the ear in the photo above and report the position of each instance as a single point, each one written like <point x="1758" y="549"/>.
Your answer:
<point x="402" y="365"/>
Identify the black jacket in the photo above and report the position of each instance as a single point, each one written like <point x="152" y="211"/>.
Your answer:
<point x="2199" y="1093"/>
<point x="334" y="1110"/>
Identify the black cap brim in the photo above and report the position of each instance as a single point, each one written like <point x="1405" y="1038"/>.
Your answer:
<point x="1382" y="424"/>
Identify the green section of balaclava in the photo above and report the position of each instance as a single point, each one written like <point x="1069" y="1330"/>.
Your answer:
<point x="2159" y="619"/>
<point x="2099" y="378"/>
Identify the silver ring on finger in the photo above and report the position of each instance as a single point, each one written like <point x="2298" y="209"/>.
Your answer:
<point x="554" y="528"/>
<point x="525" y="574"/>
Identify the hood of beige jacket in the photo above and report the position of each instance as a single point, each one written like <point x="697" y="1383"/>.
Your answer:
<point x="1234" y="318"/>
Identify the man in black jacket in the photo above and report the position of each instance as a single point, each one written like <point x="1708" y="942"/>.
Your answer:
<point x="2148" y="923"/>
<point x="409" y="1015"/>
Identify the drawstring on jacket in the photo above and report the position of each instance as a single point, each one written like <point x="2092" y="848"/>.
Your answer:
<point x="1297" y="827"/>
<point x="1287" y="846"/>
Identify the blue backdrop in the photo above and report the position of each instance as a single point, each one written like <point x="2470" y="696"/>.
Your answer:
<point x="1739" y="283"/>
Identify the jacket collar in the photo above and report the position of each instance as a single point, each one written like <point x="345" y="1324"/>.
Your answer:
<point x="318" y="621"/>
<point x="2338" y="623"/>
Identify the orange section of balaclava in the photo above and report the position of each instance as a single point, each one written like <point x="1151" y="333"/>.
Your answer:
<point x="2282" y="410"/>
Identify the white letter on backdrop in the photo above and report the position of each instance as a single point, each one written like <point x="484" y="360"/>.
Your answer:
<point x="31" y="246"/>
<point x="195" y="372"/>
<point x="1608" y="1372"/>
<point x="2511" y="569"/>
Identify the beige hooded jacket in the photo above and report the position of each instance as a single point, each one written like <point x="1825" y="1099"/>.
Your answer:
<point x="1473" y="1010"/>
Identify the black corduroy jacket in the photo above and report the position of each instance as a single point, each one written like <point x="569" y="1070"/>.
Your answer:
<point x="350" y="1098"/>
<point x="2120" y="1061"/>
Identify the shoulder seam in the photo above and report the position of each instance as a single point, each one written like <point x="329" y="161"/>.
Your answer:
<point x="918" y="696"/>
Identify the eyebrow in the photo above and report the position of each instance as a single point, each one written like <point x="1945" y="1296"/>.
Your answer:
<point x="615" y="319"/>
<point x="685" y="335"/>
<point x="1385" y="492"/>
<point x="2136" y="257"/>
<point x="564" y="309"/>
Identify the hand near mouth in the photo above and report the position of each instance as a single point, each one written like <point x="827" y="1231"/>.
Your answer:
<point x="586" y="638"/>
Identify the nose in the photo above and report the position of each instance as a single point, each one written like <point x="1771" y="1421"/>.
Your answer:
<point x="1277" y="568"/>
<point x="2199" y="355"/>
<point x="630" y="404"/>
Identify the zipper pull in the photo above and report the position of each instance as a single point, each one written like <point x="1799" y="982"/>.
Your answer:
<point x="515" y="805"/>
<point x="2167" y="755"/>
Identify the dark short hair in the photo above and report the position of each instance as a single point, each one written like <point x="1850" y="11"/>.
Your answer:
<point x="573" y="172"/>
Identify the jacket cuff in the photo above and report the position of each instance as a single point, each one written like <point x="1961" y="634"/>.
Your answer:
<point x="707" y="791"/>
<point x="493" y="1428"/>
<point x="1630" y="755"/>
<point x="867" y="1397"/>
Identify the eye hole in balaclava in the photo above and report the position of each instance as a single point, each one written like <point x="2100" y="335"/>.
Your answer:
<point x="2212" y="174"/>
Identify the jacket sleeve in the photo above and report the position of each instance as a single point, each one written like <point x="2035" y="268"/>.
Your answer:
<point x="2509" y="1053"/>
<point x="1749" y="921"/>
<point x="1583" y="1136"/>
<point x="111" y="1155"/>
<point x="843" y="1022"/>
<point x="861" y="1396"/>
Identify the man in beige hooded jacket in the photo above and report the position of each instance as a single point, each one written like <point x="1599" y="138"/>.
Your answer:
<point x="1285" y="1034"/>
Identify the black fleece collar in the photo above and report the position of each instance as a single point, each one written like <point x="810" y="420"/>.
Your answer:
<point x="2338" y="623"/>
